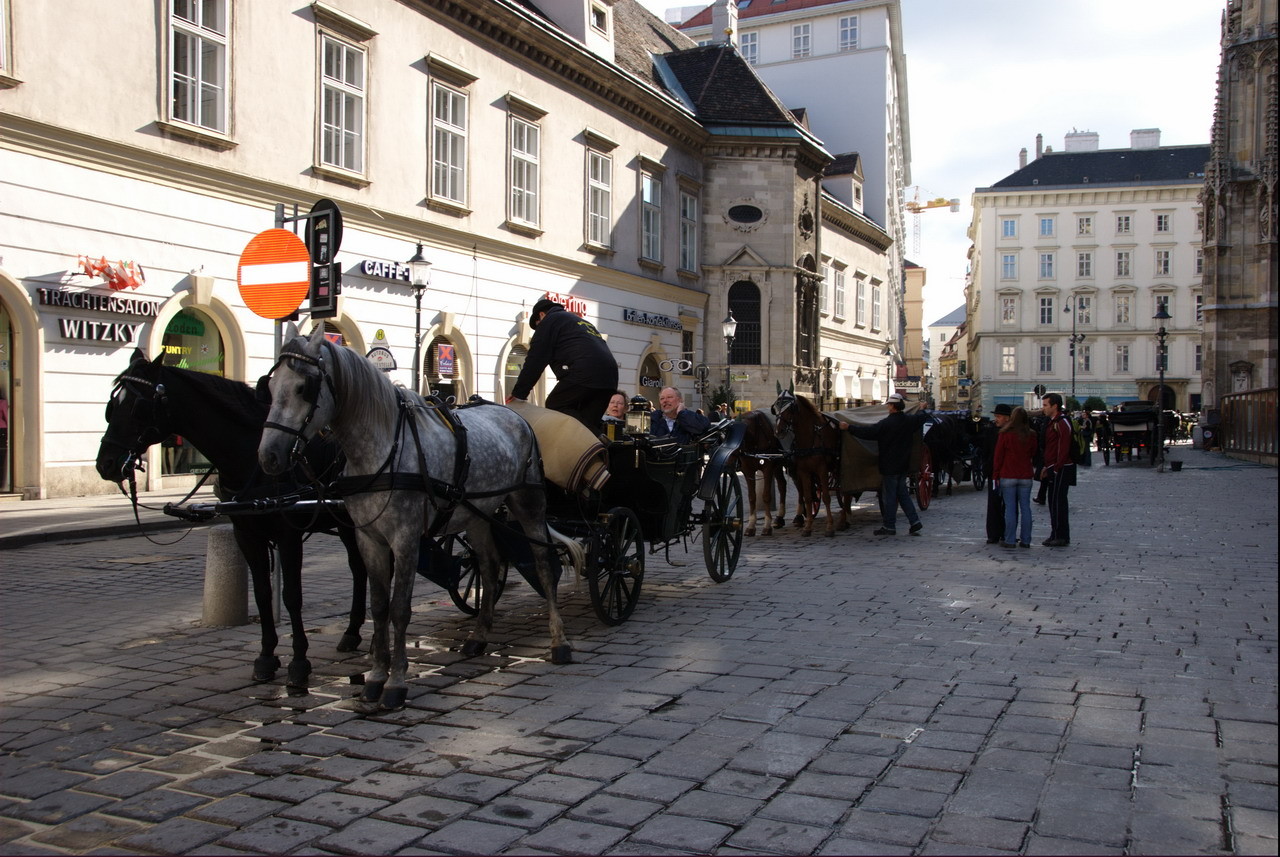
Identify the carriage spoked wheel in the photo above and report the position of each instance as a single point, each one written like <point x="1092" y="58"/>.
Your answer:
<point x="722" y="528"/>
<point x="467" y="592"/>
<point x="924" y="484"/>
<point x="615" y="569"/>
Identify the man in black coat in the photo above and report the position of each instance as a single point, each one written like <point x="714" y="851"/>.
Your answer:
<point x="896" y="436"/>
<point x="674" y="419"/>
<point x="995" y="503"/>
<point x="586" y="373"/>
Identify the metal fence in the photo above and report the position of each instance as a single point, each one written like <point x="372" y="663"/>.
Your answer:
<point x="1248" y="426"/>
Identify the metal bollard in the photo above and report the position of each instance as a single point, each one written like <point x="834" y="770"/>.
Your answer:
<point x="226" y="580"/>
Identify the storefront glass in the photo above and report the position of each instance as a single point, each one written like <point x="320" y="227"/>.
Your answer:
<point x="191" y="341"/>
<point x="650" y="380"/>
<point x="440" y="368"/>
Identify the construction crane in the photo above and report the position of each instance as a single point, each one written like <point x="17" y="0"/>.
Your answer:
<point x="915" y="206"/>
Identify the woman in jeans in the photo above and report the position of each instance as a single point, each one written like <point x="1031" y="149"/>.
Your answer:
<point x="1013" y="471"/>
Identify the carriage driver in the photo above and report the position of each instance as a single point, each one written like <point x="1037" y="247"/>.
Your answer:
<point x="674" y="419"/>
<point x="896" y="433"/>
<point x="586" y="373"/>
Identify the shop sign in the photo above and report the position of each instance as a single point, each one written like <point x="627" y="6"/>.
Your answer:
<point x="647" y="381"/>
<point x="185" y="325"/>
<point x="652" y="319"/>
<point x="444" y="360"/>
<point x="98" y="302"/>
<point x="577" y="306"/>
<point x="384" y="270"/>
<point x="382" y="357"/>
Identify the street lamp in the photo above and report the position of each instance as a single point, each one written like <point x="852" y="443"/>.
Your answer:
<point x="887" y="354"/>
<point x="419" y="278"/>
<point x="728" y="327"/>
<point x="1162" y="351"/>
<point x="1074" y="339"/>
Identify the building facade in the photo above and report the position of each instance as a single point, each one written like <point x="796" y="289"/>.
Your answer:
<point x="940" y="333"/>
<point x="1088" y="244"/>
<point x="1241" y="235"/>
<point x="550" y="151"/>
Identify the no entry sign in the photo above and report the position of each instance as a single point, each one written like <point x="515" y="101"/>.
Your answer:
<point x="274" y="273"/>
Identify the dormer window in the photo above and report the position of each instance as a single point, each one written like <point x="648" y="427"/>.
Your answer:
<point x="600" y="19"/>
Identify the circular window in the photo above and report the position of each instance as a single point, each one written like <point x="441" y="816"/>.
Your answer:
<point x="745" y="214"/>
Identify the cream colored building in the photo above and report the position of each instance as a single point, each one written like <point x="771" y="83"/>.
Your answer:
<point x="1089" y="242"/>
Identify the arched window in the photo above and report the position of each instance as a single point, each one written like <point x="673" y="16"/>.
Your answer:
<point x="744" y="303"/>
<point x="440" y="367"/>
<point x="511" y="371"/>
<point x="191" y="341"/>
<point x="650" y="382"/>
<point x="332" y="332"/>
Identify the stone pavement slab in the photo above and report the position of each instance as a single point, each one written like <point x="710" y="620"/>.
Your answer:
<point x="837" y="696"/>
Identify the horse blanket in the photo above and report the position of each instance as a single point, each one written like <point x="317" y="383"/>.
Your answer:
<point x="572" y="457"/>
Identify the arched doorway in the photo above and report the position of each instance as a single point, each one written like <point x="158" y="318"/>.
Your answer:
<point x="440" y="368"/>
<point x="650" y="380"/>
<point x="191" y="341"/>
<point x="1164" y="396"/>
<point x="6" y="385"/>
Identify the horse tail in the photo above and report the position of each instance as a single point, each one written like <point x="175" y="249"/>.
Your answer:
<point x="577" y="556"/>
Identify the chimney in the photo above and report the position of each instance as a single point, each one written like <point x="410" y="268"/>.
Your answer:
<point x="724" y="22"/>
<point x="1039" y="146"/>
<point x="1081" y="141"/>
<point x="1022" y="158"/>
<point x="1144" y="138"/>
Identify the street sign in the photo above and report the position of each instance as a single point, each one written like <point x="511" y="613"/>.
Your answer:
<point x="1040" y="389"/>
<point x="382" y="357"/>
<point x="742" y="379"/>
<point x="274" y="273"/>
<point x="326" y="285"/>
<point x="324" y="231"/>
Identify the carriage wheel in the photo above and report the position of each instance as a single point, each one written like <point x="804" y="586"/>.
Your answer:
<point x="722" y="530"/>
<point x="924" y="485"/>
<point x="466" y="594"/>
<point x="615" y="569"/>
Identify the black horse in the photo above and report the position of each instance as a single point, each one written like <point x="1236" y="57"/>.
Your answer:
<point x="223" y="419"/>
<point x="950" y="438"/>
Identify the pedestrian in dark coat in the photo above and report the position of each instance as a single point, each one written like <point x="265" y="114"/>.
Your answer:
<point x="586" y="373"/>
<point x="1102" y="434"/>
<point x="896" y="436"/>
<point x="995" y="502"/>
<point x="1058" y="470"/>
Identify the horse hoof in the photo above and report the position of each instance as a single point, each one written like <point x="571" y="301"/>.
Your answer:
<point x="779" y="523"/>
<point x="349" y="643"/>
<point x="299" y="672"/>
<point x="562" y="654"/>
<point x="264" y="668"/>
<point x="393" y="698"/>
<point x="472" y="648"/>
<point x="372" y="691"/>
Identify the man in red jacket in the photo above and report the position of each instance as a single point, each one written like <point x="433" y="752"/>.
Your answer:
<point x="1058" y="471"/>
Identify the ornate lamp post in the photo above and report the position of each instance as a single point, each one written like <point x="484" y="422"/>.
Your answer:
<point x="419" y="278"/>
<point x="1162" y="357"/>
<point x="888" y="368"/>
<point x="1074" y="339"/>
<point x="729" y="327"/>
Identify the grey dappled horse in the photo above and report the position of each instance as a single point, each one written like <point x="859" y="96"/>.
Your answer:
<point x="404" y="479"/>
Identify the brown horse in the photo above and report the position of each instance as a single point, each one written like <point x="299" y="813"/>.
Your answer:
<point x="760" y="460"/>
<point x="814" y="454"/>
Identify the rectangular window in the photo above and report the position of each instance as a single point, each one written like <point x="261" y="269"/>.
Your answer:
<point x="1163" y="262"/>
<point x="1046" y="266"/>
<point x="1122" y="309"/>
<point x="1046" y="358"/>
<point x="839" y="293"/>
<point x="1084" y="309"/>
<point x="599" y="19"/>
<point x="1008" y="358"/>
<point x="1162" y="303"/>
<point x="860" y="308"/>
<point x="849" y="33"/>
<point x="448" y="143"/>
<point x="1122" y="358"/>
<point x="198" y="47"/>
<point x="875" y="307"/>
<point x="1199" y="262"/>
<point x="1046" y="311"/>
<point x="599" y="198"/>
<point x="1084" y="358"/>
<point x="1084" y="265"/>
<point x="801" y="40"/>
<point x="526" y="143"/>
<point x="1008" y="228"/>
<point x="6" y="50"/>
<point x="1198" y="358"/>
<point x="1123" y="258"/>
<point x="1009" y="266"/>
<point x="824" y="290"/>
<point x="1084" y="225"/>
<point x="651" y="216"/>
<point x="1124" y="224"/>
<point x="1164" y="222"/>
<point x="688" y="231"/>
<point x="749" y="47"/>
<point x="1046" y="227"/>
<point x="1199" y="309"/>
<point x="1008" y="310"/>
<point x="342" y="88"/>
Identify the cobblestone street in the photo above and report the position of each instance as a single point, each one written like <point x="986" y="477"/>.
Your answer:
<point x="854" y="695"/>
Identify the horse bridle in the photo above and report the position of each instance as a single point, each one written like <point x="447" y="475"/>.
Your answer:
<point x="310" y="395"/>
<point x="150" y="432"/>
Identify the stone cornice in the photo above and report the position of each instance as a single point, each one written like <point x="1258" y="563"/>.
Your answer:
<point x="848" y="221"/>
<point x="1077" y="195"/>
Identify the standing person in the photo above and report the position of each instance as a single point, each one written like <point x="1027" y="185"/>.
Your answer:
<point x="1015" y="450"/>
<point x="1058" y="471"/>
<point x="896" y="435"/>
<point x="1038" y="425"/>
<point x="586" y="373"/>
<point x="1102" y="434"/>
<point x="674" y="419"/>
<point x="1086" y="431"/>
<point x="995" y="501"/>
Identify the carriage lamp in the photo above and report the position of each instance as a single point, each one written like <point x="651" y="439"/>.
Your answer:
<point x="729" y="327"/>
<point x="419" y="278"/>
<point x="638" y="415"/>
<point x="1162" y="357"/>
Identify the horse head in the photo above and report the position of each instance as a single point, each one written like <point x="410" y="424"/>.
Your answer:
<point x="303" y="400"/>
<point x="137" y="417"/>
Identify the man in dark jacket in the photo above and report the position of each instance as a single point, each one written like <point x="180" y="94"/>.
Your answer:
<point x="1058" y="472"/>
<point x="995" y="503"/>
<point x="674" y="419"/>
<point x="896" y="435"/>
<point x="586" y="373"/>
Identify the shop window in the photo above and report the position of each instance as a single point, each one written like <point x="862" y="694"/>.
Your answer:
<point x="191" y="341"/>
<point x="511" y="370"/>
<point x="440" y="367"/>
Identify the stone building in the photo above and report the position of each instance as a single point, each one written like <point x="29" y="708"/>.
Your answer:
<point x="1240" y="206"/>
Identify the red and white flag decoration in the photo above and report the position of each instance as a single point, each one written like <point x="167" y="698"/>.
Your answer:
<point x="118" y="275"/>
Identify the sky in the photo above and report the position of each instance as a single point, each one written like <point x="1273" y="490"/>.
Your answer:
<point x="985" y="76"/>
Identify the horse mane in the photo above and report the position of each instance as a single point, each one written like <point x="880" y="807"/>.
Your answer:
<point x="236" y="398"/>
<point x="367" y="392"/>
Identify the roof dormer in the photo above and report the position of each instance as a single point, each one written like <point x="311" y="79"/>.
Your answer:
<point x="587" y="21"/>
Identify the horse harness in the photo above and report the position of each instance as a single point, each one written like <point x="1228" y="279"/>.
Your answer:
<point x="806" y="452"/>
